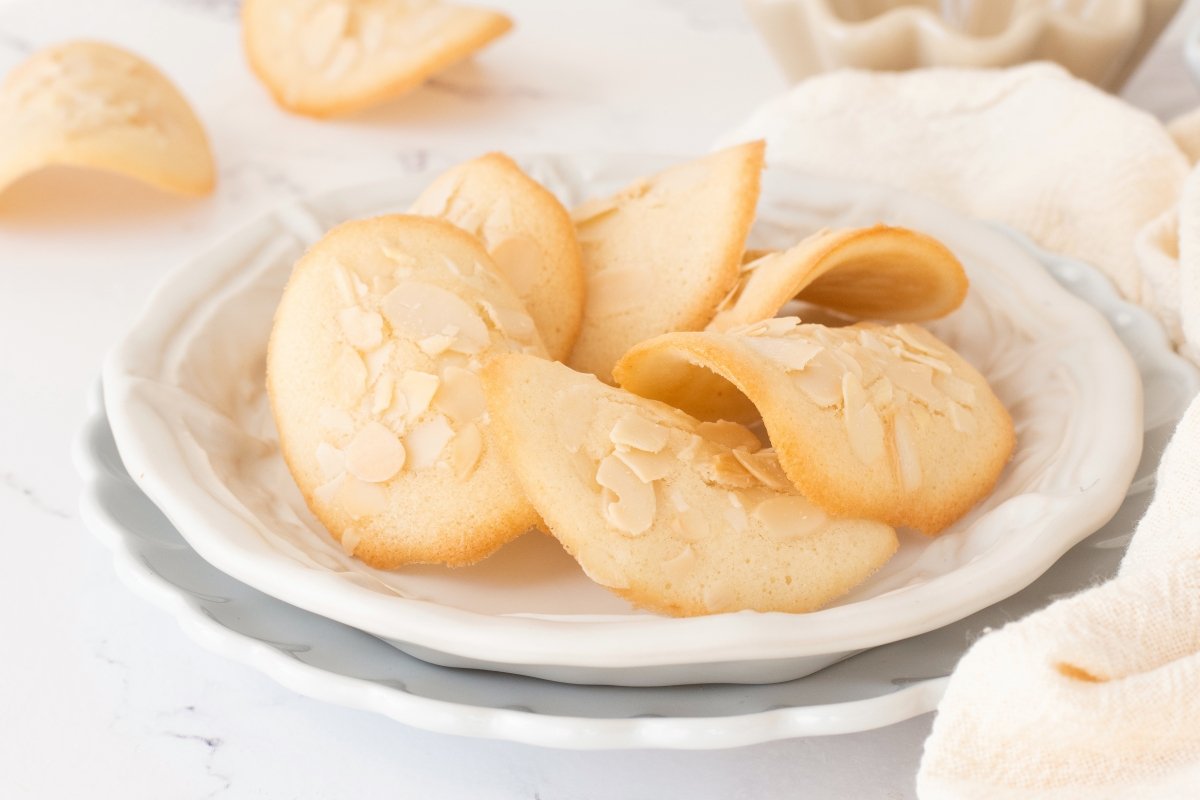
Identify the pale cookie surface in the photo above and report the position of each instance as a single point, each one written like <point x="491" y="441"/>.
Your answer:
<point x="328" y="57"/>
<point x="372" y="373"/>
<point x="880" y="272"/>
<point x="661" y="254"/>
<point x="884" y="422"/>
<point x="89" y="104"/>
<point x="677" y="516"/>
<point x="526" y="231"/>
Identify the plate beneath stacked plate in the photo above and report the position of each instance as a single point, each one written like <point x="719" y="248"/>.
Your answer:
<point x="322" y="657"/>
<point x="185" y="397"/>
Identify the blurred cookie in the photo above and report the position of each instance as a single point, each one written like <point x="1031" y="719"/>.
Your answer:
<point x="526" y="231"/>
<point x="678" y="516"/>
<point x="323" y="58"/>
<point x="880" y="272"/>
<point x="660" y="254"/>
<point x="89" y="104"/>
<point x="372" y="371"/>
<point x="882" y="422"/>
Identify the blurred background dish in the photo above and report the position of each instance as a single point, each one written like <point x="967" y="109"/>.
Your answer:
<point x="1101" y="41"/>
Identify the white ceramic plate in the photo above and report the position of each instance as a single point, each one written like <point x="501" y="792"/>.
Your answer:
<point x="185" y="398"/>
<point x="329" y="661"/>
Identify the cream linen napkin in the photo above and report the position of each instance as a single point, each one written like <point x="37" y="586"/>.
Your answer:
<point x="1098" y="695"/>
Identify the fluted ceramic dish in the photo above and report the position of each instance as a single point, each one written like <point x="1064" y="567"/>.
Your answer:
<point x="1101" y="41"/>
<point x="329" y="661"/>
<point x="185" y="397"/>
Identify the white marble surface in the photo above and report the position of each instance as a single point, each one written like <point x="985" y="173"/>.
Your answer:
<point x="100" y="694"/>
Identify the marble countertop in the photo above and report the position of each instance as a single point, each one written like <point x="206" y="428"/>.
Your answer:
<point x="101" y="695"/>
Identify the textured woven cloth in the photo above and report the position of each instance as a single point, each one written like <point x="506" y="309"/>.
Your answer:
<point x="1097" y="695"/>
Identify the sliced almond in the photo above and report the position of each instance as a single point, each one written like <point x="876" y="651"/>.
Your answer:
<point x="381" y="395"/>
<point x="789" y="516"/>
<point x="863" y="425"/>
<point x="418" y="389"/>
<point x="917" y="380"/>
<point x="351" y="537"/>
<point x="460" y="395"/>
<point x="637" y="432"/>
<point x="426" y="441"/>
<point x="789" y="354"/>
<point x="764" y="466"/>
<point x="956" y="389"/>
<point x="330" y="461"/>
<point x="421" y="310"/>
<point x="513" y="323"/>
<point x="377" y="361"/>
<point x="820" y="380"/>
<point x="961" y="418"/>
<point x="375" y="454"/>
<point x="730" y="434"/>
<point x="465" y="450"/>
<point x="647" y="466"/>
<point x="724" y="469"/>
<point x="634" y="508"/>
<point x="361" y="329"/>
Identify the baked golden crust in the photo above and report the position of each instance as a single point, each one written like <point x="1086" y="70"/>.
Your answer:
<point x="879" y="272"/>
<point x="528" y="234"/>
<point x="325" y="59"/>
<point x="882" y="422"/>
<point x="675" y="515"/>
<point x="372" y="375"/>
<point x="660" y="254"/>
<point x="90" y="104"/>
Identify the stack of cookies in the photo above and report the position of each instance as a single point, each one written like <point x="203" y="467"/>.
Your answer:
<point x="444" y="380"/>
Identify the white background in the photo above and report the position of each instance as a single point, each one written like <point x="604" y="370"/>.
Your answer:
<point x="100" y="694"/>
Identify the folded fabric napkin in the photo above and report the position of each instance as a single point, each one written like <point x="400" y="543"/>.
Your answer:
<point x="1097" y="695"/>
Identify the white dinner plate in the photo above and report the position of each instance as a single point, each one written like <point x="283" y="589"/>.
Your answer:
<point x="185" y="397"/>
<point x="329" y="661"/>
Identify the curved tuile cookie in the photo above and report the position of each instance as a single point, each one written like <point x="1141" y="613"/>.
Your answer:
<point x="323" y="58"/>
<point x="882" y="422"/>
<point x="372" y="372"/>
<point x="880" y="272"/>
<point x="660" y="254"/>
<point x="89" y="104"/>
<point x="675" y="515"/>
<point x="526" y="231"/>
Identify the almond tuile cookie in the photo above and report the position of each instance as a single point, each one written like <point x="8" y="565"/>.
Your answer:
<point x="677" y="516"/>
<point x="884" y="422"/>
<point x="325" y="58"/>
<point x="90" y="104"/>
<point x="879" y="272"/>
<point x="526" y="231"/>
<point x="660" y="254"/>
<point x="372" y="371"/>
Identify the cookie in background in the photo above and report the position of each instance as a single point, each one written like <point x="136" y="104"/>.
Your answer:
<point x="326" y="58"/>
<point x="94" y="105"/>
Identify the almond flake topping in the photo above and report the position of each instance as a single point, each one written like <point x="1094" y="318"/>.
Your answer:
<point x="361" y="329"/>
<point x="426" y="441"/>
<point x="375" y="454"/>
<point x="633" y="510"/>
<point x="789" y="517"/>
<point x="637" y="432"/>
